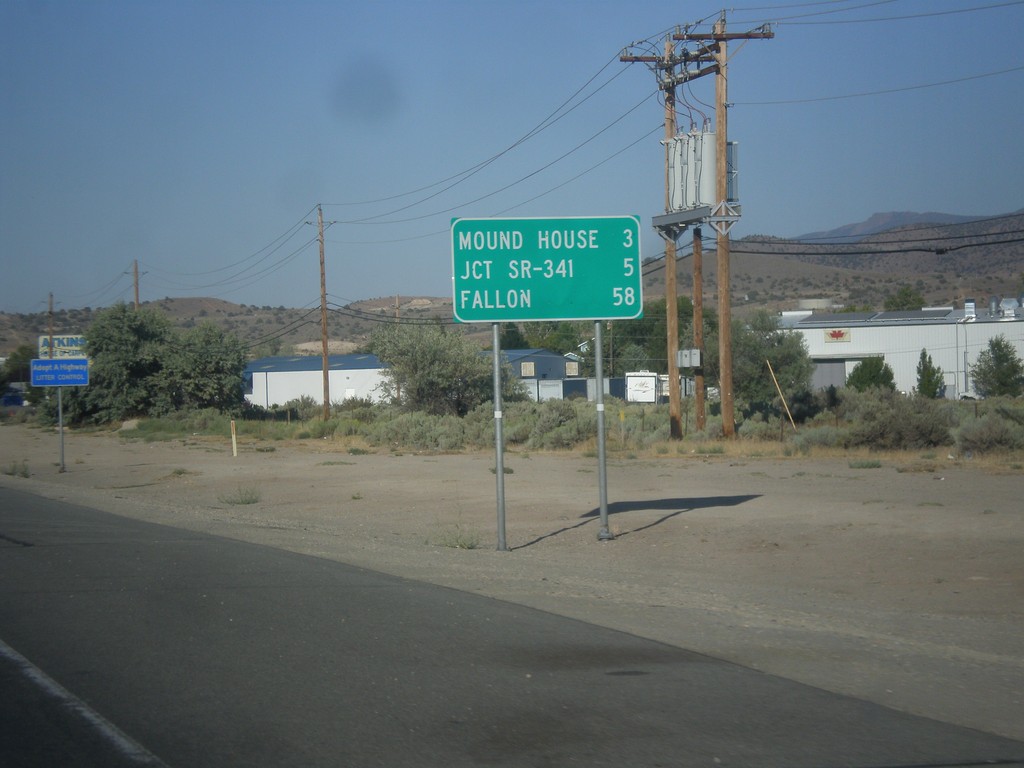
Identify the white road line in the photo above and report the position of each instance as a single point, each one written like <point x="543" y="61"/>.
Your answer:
<point x="121" y="742"/>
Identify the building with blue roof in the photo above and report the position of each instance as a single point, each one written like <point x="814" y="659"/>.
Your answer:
<point x="274" y="381"/>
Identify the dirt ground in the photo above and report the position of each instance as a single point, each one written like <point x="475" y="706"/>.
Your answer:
<point x="902" y="584"/>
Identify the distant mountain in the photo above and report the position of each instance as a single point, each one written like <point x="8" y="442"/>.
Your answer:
<point x="965" y="257"/>
<point x="885" y="222"/>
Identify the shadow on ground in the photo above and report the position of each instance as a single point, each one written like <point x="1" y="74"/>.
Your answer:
<point x="674" y="508"/>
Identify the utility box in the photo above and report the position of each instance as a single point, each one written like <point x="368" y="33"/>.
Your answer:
<point x="688" y="358"/>
<point x="692" y="171"/>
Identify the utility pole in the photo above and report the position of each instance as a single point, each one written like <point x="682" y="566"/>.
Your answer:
<point x="135" y="280"/>
<point x="398" y="386"/>
<point x="323" y="312"/>
<point x="698" y="328"/>
<point x="671" y="300"/>
<point x="50" y="328"/>
<point x="724" y="216"/>
<point x="711" y="57"/>
<point x="722" y="243"/>
<point x="667" y="83"/>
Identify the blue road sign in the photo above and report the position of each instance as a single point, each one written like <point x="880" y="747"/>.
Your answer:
<point x="60" y="372"/>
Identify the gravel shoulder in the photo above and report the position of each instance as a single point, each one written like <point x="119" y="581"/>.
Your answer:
<point x="901" y="584"/>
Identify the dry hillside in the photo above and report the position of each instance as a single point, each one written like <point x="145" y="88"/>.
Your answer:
<point x="856" y="265"/>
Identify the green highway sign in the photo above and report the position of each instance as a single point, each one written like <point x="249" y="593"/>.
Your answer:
<point x="576" y="268"/>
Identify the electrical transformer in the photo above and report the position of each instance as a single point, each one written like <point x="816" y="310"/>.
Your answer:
<point x="692" y="168"/>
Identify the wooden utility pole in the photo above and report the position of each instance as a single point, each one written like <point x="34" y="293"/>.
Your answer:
<point x="671" y="301"/>
<point x="323" y="312"/>
<point x="722" y="243"/>
<point x="50" y="329"/>
<point x="722" y="219"/>
<point x="698" y="328"/>
<point x="667" y="81"/>
<point x="135" y="280"/>
<point x="712" y="52"/>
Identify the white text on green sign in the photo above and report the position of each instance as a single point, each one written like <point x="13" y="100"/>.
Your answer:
<point x="511" y="270"/>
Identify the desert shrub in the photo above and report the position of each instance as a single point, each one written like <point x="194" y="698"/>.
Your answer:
<point x="824" y="436"/>
<point x="882" y="419"/>
<point x="760" y="427"/>
<point x="805" y="405"/>
<point x="346" y="426"/>
<point x="632" y="424"/>
<point x="990" y="432"/>
<point x="242" y="495"/>
<point x="304" y="408"/>
<point x="419" y="431"/>
<point x="478" y="426"/>
<point x="520" y="420"/>
<point x="17" y="415"/>
<point x="360" y="409"/>
<point x="207" y="421"/>
<point x="562" y="424"/>
<point x="319" y="429"/>
<point x="17" y="470"/>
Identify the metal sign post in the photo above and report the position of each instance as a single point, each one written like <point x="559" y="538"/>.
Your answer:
<point x="524" y="270"/>
<point x="60" y="372"/>
<point x="499" y="441"/>
<point x="604" y="534"/>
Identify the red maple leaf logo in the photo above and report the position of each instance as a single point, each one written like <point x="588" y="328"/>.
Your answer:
<point x="837" y="335"/>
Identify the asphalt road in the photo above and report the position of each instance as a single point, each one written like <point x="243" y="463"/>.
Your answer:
<point x="124" y="643"/>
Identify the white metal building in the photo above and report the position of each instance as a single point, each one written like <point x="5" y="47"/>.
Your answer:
<point x="274" y="381"/>
<point x="952" y="337"/>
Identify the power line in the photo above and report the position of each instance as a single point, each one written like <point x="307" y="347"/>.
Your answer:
<point x="914" y="228"/>
<point x="467" y="173"/>
<point x="519" y="204"/>
<point x="911" y="248"/>
<point x="508" y="186"/>
<point x="796" y="19"/>
<point x="883" y="91"/>
<point x="272" y="247"/>
<point x="242" y="278"/>
<point x="913" y="16"/>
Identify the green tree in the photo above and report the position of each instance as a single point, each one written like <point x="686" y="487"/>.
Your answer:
<point x="758" y="342"/>
<point x="554" y="336"/>
<point x="904" y="298"/>
<point x="871" y="372"/>
<point x="140" y="366"/>
<point x="128" y="349"/>
<point x="998" y="370"/>
<point x="18" y="367"/>
<point x="640" y="344"/>
<point x="203" y="369"/>
<point x="930" y="381"/>
<point x="437" y="371"/>
<point x="511" y="337"/>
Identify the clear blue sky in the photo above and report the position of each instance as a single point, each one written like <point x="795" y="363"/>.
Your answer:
<point x="198" y="137"/>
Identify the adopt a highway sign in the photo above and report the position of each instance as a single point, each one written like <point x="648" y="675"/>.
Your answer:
<point x="60" y="372"/>
<point x="575" y="268"/>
